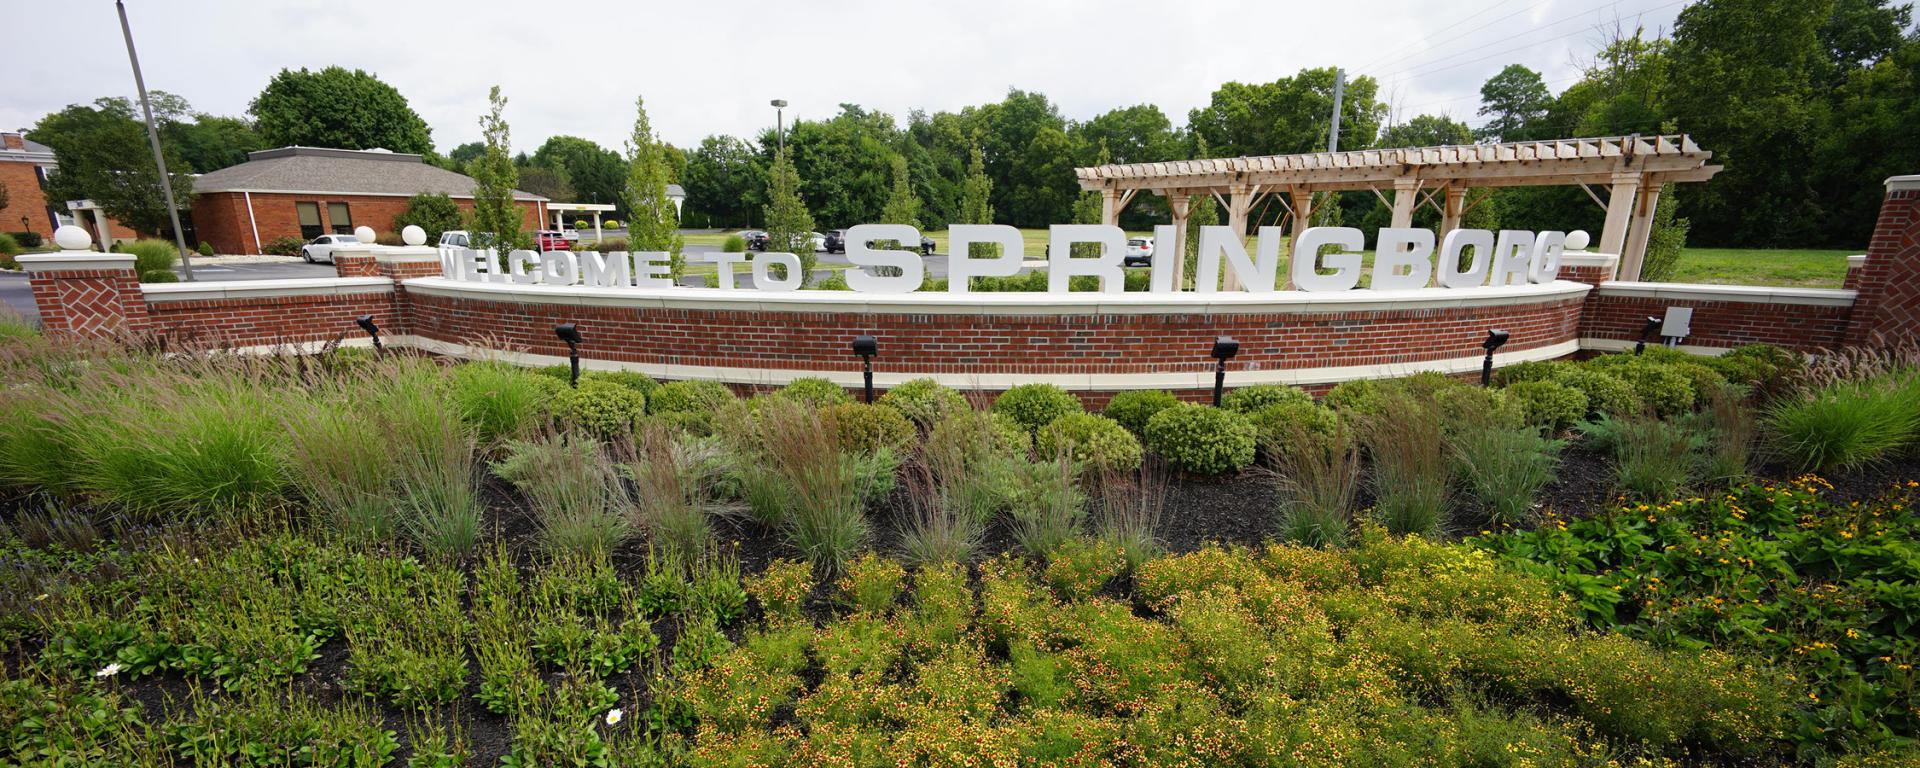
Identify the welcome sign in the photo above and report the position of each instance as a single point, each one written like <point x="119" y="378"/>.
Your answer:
<point x="1332" y="259"/>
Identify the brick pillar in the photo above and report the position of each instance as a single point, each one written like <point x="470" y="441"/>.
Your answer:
<point x="1888" y="307"/>
<point x="82" y="292"/>
<point x="355" y="261"/>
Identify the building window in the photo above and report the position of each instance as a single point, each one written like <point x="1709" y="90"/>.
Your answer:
<point x="309" y="220"/>
<point x="337" y="216"/>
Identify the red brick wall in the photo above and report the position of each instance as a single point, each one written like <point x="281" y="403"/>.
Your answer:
<point x="285" y="319"/>
<point x="95" y="303"/>
<point x="990" y="344"/>
<point x="1719" y="323"/>
<point x="1889" y="284"/>
<point x="24" y="198"/>
<point x="220" y="218"/>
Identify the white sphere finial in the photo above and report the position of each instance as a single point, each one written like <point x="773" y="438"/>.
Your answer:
<point x="413" y="235"/>
<point x="365" y="234"/>
<point x="72" y="238"/>
<point x="1578" y="239"/>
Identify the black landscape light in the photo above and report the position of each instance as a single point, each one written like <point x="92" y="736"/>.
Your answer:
<point x="866" y="347"/>
<point x="1495" y="339"/>
<point x="570" y="333"/>
<point x="366" y="324"/>
<point x="1646" y="332"/>
<point x="1224" y="348"/>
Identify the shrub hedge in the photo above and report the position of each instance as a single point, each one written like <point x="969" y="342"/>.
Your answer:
<point x="1098" y="442"/>
<point x="924" y="401"/>
<point x="1202" y="439"/>
<point x="1033" y="406"/>
<point x="1259" y="396"/>
<point x="599" y="407"/>
<point x="1134" y="407"/>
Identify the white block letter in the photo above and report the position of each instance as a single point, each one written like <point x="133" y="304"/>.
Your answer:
<point x="1061" y="266"/>
<point x="1511" y="252"/>
<point x="603" y="272"/>
<point x="525" y="267"/>
<point x="1402" y="247"/>
<point x="723" y="265"/>
<point x="1345" y="263"/>
<point x="1160" y="278"/>
<point x="862" y="255"/>
<point x="1255" y="276"/>
<point x="652" y="269"/>
<point x="559" y="268"/>
<point x="766" y="282"/>
<point x="1544" y="266"/>
<point x="961" y="269"/>
<point x="1481" y="241"/>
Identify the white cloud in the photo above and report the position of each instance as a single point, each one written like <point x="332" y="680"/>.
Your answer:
<point x="710" y="66"/>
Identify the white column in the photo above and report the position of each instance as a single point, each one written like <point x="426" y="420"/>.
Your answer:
<point x="1180" y="206"/>
<point x="597" y="237"/>
<point x="1405" y="193"/>
<point x="1613" y="238"/>
<point x="1635" y="252"/>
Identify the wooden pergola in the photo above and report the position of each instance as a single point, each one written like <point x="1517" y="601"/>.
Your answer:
<point x="1631" y="169"/>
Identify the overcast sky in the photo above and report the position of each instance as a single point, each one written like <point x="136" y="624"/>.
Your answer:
<point x="711" y="66"/>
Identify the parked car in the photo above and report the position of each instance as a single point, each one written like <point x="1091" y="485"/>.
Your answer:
<point x="551" y="240"/>
<point x="836" y="242"/>
<point x="1139" y="252"/>
<point x="321" y="248"/>
<point x="456" y="238"/>
<point x="757" y="240"/>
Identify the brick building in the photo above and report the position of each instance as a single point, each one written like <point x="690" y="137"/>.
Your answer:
<point x="24" y="166"/>
<point x="305" y="192"/>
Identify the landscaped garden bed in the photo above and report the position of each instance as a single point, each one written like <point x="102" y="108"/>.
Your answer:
<point x="346" y="560"/>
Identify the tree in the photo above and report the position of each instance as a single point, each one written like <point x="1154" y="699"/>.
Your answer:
<point x="847" y="162"/>
<point x="550" y="183"/>
<point x="494" y="177"/>
<point x="976" y="206"/>
<point x="210" y="143"/>
<point x="1028" y="156"/>
<point x="723" y="184"/>
<point x="338" y="108"/>
<point x="789" y="226"/>
<point x="1666" y="241"/>
<point x="434" y="213"/>
<point x="1427" y="131"/>
<point x="903" y="206"/>
<point x="1288" y="116"/>
<point x="652" y="222"/>
<point x="1517" y="100"/>
<point x="595" y="173"/>
<point x="104" y="155"/>
<point x="460" y="156"/>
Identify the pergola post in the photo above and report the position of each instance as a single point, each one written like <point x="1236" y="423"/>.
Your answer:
<point x="1453" y="209"/>
<point x="1613" y="238"/>
<point x="597" y="237"/>
<point x="1635" y="253"/>
<point x="1110" y="206"/>
<point x="1238" y="205"/>
<point x="1180" y="205"/>
<point x="1405" y="194"/>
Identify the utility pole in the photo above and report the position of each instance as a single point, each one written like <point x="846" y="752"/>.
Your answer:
<point x="153" y="136"/>
<point x="1339" y="86"/>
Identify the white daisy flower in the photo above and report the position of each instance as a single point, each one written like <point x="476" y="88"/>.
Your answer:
<point x="614" y="715"/>
<point x="109" y="670"/>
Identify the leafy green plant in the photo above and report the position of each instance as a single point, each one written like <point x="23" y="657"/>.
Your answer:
<point x="815" y="391"/>
<point x="1504" y="467"/>
<point x="1549" y="404"/>
<point x="1096" y="442"/>
<point x="406" y="636"/>
<point x="782" y="589"/>
<point x="860" y="428"/>
<point x="599" y="408"/>
<point x="1201" y="439"/>
<point x="1081" y="566"/>
<point x="1254" y="398"/>
<point x="873" y="583"/>
<point x="924" y="401"/>
<point x="1606" y="393"/>
<point x="1134" y="407"/>
<point x="1359" y="397"/>
<point x="263" y="728"/>
<point x="1033" y="406"/>
<point x="1846" y="424"/>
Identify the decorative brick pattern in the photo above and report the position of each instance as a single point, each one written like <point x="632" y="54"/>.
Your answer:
<point x="1889" y="284"/>
<point x="95" y="303"/>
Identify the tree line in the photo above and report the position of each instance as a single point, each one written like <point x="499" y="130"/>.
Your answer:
<point x="1808" y="103"/>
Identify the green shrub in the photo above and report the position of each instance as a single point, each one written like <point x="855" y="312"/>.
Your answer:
<point x="1660" y="387"/>
<point x="600" y="408"/>
<point x="1033" y="406"/>
<point x="205" y="248"/>
<point x="970" y="438"/>
<point x="1846" y="424"/>
<point x="1279" y="424"/>
<point x="27" y="239"/>
<point x="1548" y="403"/>
<point x="924" y="401"/>
<point x="1531" y="370"/>
<point x="500" y="401"/>
<point x="9" y="247"/>
<point x="696" y="396"/>
<point x="1702" y="379"/>
<point x="815" y="391"/>
<point x="153" y="260"/>
<point x="634" y="380"/>
<point x="1096" y="441"/>
<point x="433" y="213"/>
<point x="868" y="429"/>
<point x="1360" y="397"/>
<point x="285" y="246"/>
<point x="873" y="584"/>
<point x="1134" y="407"/>
<point x="1202" y="439"/>
<point x="1606" y="393"/>
<point x="734" y="244"/>
<point x="1762" y="366"/>
<point x="1259" y="396"/>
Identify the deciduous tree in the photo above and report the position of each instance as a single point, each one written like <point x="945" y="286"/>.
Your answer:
<point x="494" y="177"/>
<point x="338" y="108"/>
<point x="652" y="222"/>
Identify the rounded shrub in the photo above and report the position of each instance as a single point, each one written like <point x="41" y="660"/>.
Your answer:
<point x="1259" y="396"/>
<point x="1663" y="388"/>
<point x="691" y="396"/>
<point x="814" y="391"/>
<point x="1531" y="370"/>
<point x="9" y="245"/>
<point x="153" y="260"/>
<point x="1703" y="378"/>
<point x="1361" y="397"/>
<point x="1467" y="404"/>
<point x="1279" y="424"/>
<point x="601" y="408"/>
<point x="1134" y="407"/>
<point x="1034" y="406"/>
<point x="924" y="401"/>
<point x="863" y="428"/>
<point x="205" y="248"/>
<point x="1606" y="393"/>
<point x="1758" y="365"/>
<point x="973" y="433"/>
<point x="1096" y="441"/>
<point x="1202" y="439"/>
<point x="734" y="244"/>
<point x="1548" y="404"/>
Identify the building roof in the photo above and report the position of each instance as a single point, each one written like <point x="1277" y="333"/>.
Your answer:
<point x="339" y="171"/>
<point x="30" y="152"/>
<point x="675" y="190"/>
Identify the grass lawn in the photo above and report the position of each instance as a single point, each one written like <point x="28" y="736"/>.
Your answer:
<point x="1783" y="267"/>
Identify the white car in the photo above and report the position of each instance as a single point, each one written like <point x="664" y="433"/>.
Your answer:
<point x="321" y="248"/>
<point x="1139" y="251"/>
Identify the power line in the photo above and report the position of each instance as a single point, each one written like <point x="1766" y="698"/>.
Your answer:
<point x="1390" y="58"/>
<point x="1422" y="68"/>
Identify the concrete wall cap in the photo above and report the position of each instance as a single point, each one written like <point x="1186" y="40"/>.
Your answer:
<point x="265" y="289"/>
<point x="1900" y="183"/>
<point x="1856" y="261"/>
<point x="74" y="261"/>
<point x="1748" y="294"/>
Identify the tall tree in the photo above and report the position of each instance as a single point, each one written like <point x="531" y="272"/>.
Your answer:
<point x="789" y="225"/>
<point x="103" y="155"/>
<point x="723" y="183"/>
<point x="338" y="108"/>
<point x="1427" y="131"/>
<point x="653" y="224"/>
<point x="903" y="206"/>
<point x="1516" y="100"/>
<point x="847" y="162"/>
<point x="976" y="204"/>
<point x="596" y="174"/>
<point x="1029" y="158"/>
<point x="494" y="212"/>
<point x="1289" y="115"/>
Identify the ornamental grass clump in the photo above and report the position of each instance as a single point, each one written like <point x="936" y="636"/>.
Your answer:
<point x="1503" y="467"/>
<point x="1097" y="443"/>
<point x="1409" y="479"/>
<point x="1846" y="424"/>
<point x="341" y="467"/>
<point x="500" y="401"/>
<point x="1033" y="406"/>
<point x="435" y="465"/>
<point x="1318" y="480"/>
<point x="812" y="486"/>
<point x="1654" y="458"/>
<point x="1201" y="439"/>
<point x="1048" y="507"/>
<point x="576" y="499"/>
<point x="939" y="527"/>
<point x="1733" y="428"/>
<point x="673" y="479"/>
<point x="1129" y="510"/>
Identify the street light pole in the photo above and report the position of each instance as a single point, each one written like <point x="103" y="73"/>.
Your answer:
<point x="780" y="122"/>
<point x="153" y="137"/>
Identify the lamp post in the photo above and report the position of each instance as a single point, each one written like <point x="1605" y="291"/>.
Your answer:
<point x="780" y="122"/>
<point x="1224" y="348"/>
<point x="153" y="137"/>
<point x="1646" y="332"/>
<point x="1494" y="341"/>
<point x="570" y="333"/>
<point x="366" y="324"/>
<point x="866" y="347"/>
